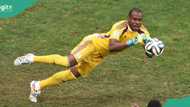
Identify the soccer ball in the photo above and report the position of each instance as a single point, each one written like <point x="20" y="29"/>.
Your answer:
<point x="154" y="48"/>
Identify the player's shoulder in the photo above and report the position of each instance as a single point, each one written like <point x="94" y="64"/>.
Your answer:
<point x="121" y="23"/>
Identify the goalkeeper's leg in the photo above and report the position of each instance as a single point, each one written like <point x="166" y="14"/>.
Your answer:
<point x="83" y="68"/>
<point x="81" y="51"/>
<point x="57" y="78"/>
<point x="56" y="59"/>
<point x="50" y="59"/>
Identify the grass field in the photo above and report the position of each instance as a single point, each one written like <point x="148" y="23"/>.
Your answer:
<point x="56" y="26"/>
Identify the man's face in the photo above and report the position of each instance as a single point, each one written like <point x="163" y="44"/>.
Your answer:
<point x="135" y="20"/>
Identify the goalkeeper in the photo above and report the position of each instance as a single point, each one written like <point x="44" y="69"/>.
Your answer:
<point x="89" y="52"/>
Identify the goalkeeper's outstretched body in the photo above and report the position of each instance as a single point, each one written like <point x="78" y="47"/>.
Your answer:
<point x="89" y="52"/>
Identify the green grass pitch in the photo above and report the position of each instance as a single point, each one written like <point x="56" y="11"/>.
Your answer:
<point x="56" y="26"/>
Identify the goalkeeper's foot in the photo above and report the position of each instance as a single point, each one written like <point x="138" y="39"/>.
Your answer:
<point x="26" y="59"/>
<point x="34" y="91"/>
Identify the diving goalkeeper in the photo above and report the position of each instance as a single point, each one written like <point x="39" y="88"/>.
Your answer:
<point x="89" y="52"/>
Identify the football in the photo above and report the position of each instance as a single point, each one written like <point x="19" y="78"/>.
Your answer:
<point x="154" y="48"/>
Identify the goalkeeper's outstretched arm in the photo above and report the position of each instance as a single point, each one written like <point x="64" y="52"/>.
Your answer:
<point x="116" y="45"/>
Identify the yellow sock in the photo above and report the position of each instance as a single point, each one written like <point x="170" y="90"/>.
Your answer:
<point x="57" y="78"/>
<point x="53" y="59"/>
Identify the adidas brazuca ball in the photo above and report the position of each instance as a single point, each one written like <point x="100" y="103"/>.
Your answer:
<point x="154" y="48"/>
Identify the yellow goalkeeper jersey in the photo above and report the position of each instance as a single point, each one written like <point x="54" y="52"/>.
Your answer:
<point x="120" y="31"/>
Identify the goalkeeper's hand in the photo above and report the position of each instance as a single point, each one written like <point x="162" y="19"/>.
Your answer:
<point x="147" y="39"/>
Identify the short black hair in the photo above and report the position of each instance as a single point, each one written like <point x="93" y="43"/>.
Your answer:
<point x="134" y="9"/>
<point x="154" y="103"/>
